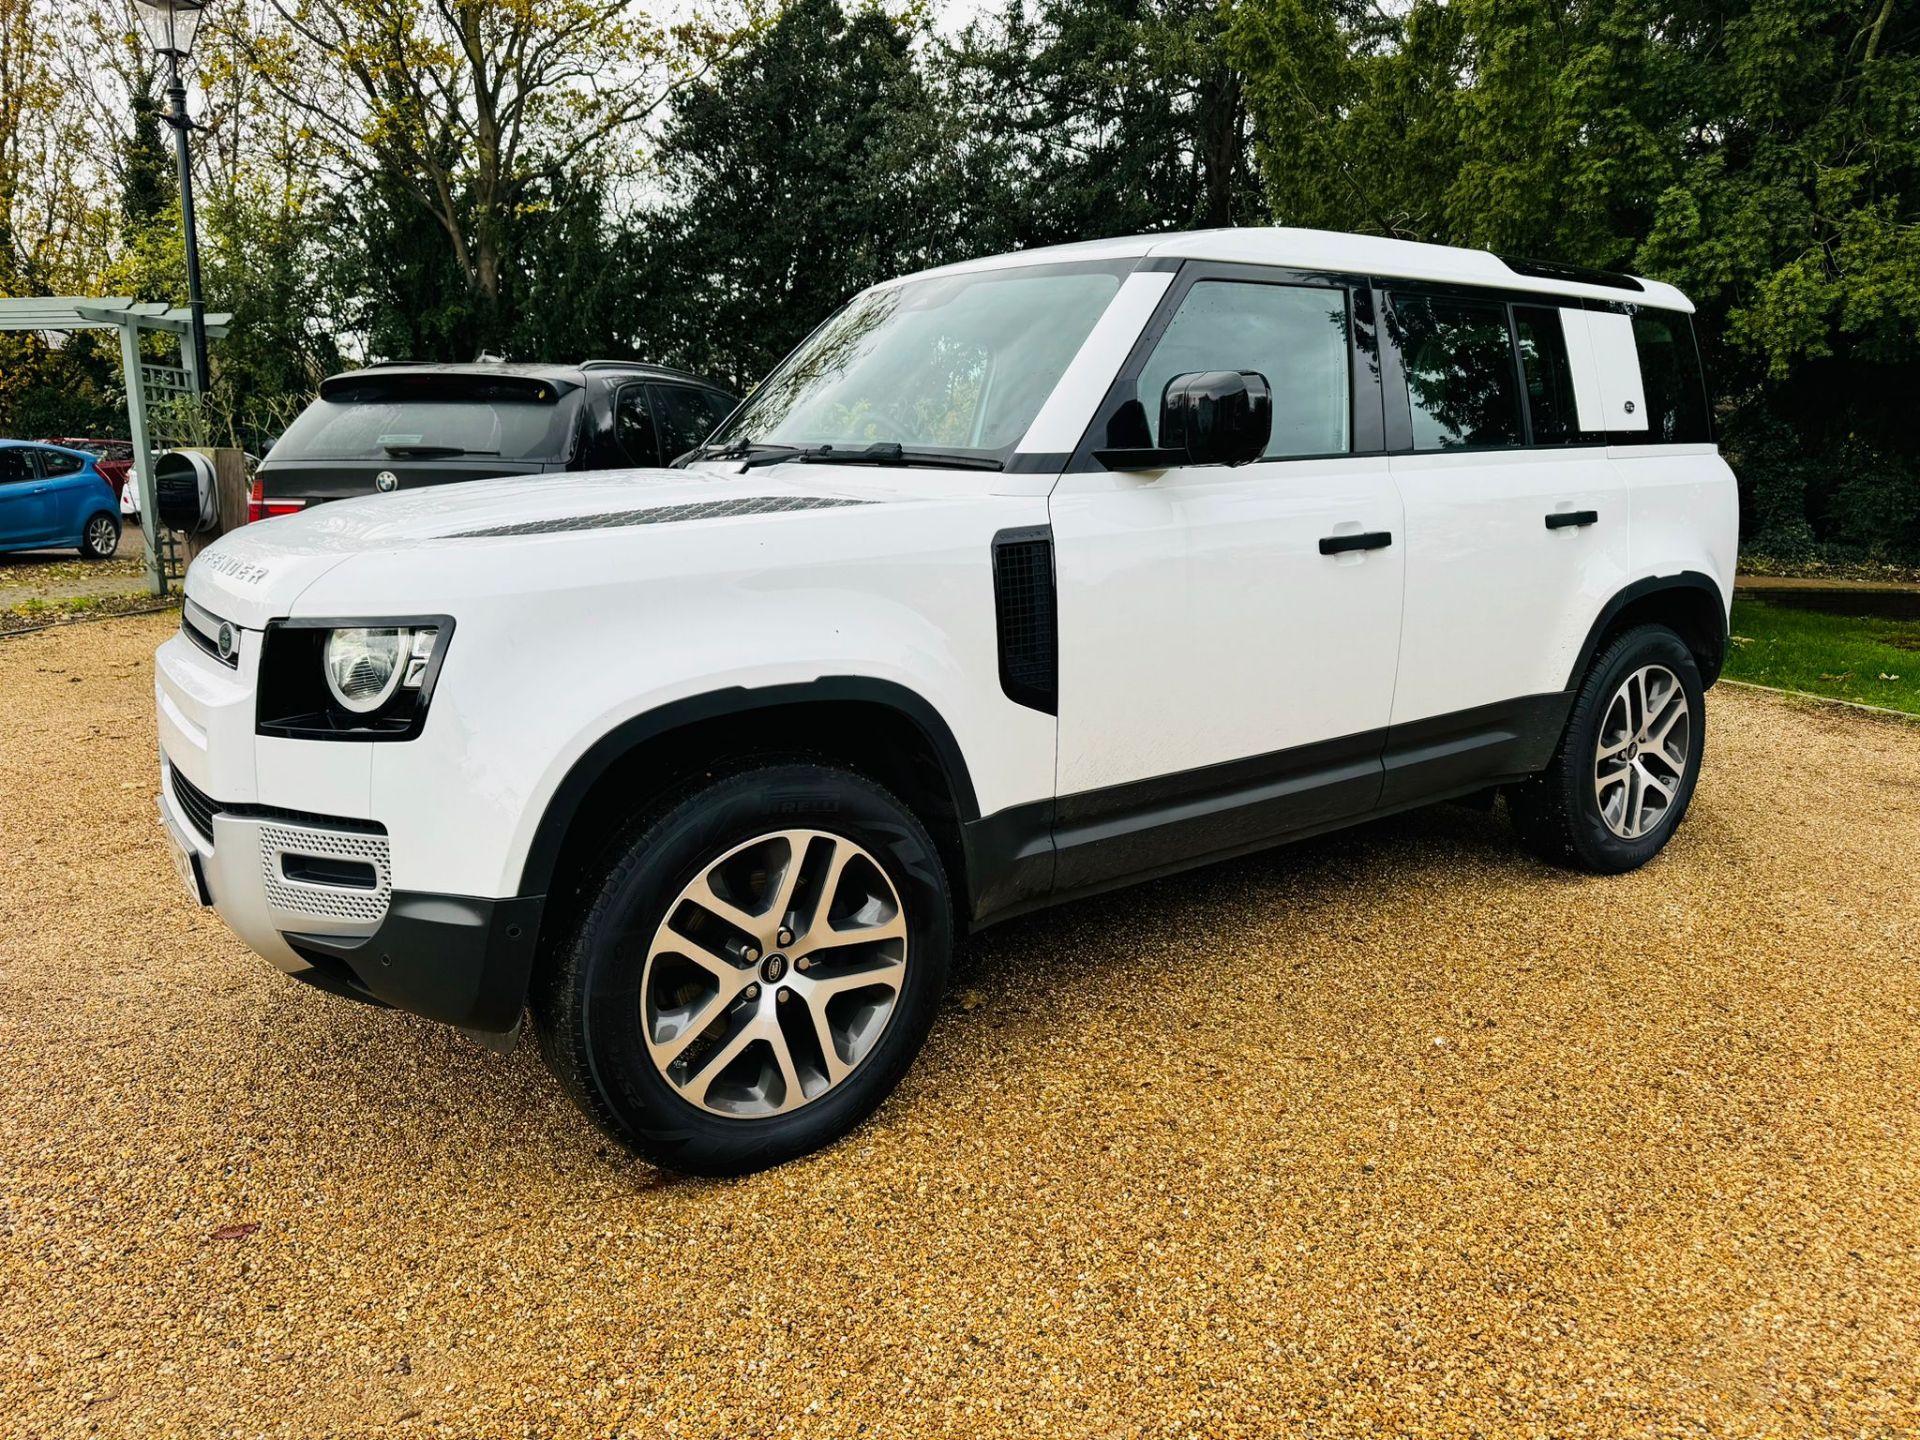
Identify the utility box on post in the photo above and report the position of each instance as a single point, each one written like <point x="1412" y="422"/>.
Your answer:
<point x="201" y="493"/>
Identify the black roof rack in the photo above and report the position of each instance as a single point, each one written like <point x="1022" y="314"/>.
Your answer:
<point x="1580" y="274"/>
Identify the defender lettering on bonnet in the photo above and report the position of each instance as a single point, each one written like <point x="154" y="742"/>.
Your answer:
<point x="1038" y="574"/>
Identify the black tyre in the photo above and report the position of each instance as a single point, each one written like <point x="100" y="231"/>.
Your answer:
<point x="754" y="968"/>
<point x="1626" y="768"/>
<point x="100" y="537"/>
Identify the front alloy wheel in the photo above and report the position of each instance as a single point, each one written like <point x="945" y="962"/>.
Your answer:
<point x="754" y="966"/>
<point x="774" y="973"/>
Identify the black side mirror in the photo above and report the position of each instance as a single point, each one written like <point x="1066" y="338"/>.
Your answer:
<point x="1207" y="417"/>
<point x="1219" y="417"/>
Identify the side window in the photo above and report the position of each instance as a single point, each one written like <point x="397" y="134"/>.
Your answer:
<point x="1461" y="384"/>
<point x="14" y="466"/>
<point x="1295" y="335"/>
<point x="1670" y="376"/>
<point x="685" y="417"/>
<point x="55" y="462"/>
<point x="1548" y="375"/>
<point x="634" y="428"/>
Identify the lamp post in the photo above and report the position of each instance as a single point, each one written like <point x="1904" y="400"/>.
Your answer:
<point x="171" y="26"/>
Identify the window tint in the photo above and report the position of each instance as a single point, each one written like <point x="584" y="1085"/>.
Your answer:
<point x="685" y="417"/>
<point x="14" y="465"/>
<point x="390" y="417"/>
<point x="633" y="427"/>
<point x="54" y="462"/>
<point x="1460" y="377"/>
<point x="1295" y="335"/>
<point x="1670" y="375"/>
<point x="1549" y="377"/>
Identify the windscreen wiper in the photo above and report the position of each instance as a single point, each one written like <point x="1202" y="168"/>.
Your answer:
<point x="885" y="452"/>
<point x="432" y="452"/>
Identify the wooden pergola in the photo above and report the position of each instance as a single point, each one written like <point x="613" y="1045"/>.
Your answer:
<point x="147" y="381"/>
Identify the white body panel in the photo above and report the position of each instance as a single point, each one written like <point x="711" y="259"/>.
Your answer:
<point x="1686" y="511"/>
<point x="1199" y="622"/>
<point x="1498" y="604"/>
<point x="1623" y="401"/>
<point x="560" y="637"/>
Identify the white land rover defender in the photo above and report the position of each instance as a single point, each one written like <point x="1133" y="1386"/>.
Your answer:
<point x="1018" y="580"/>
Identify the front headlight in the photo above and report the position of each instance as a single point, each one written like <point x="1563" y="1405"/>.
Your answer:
<point x="326" y="680"/>
<point x="363" y="666"/>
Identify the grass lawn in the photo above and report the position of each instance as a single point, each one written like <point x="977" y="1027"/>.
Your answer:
<point x="1849" y="657"/>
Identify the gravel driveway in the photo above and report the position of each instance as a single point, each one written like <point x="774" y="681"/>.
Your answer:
<point x="1396" y="1132"/>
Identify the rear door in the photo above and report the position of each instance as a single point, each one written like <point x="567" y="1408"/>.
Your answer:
<point x="25" y="516"/>
<point x="1516" y="525"/>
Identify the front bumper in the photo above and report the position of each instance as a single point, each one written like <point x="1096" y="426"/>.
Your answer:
<point x="313" y="895"/>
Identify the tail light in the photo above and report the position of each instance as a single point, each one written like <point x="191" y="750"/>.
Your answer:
<point x="261" y="508"/>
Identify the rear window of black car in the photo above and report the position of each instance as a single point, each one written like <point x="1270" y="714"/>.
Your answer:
<point x="434" y="417"/>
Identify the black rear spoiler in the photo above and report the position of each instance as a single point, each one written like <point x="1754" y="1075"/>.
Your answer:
<point x="369" y="386"/>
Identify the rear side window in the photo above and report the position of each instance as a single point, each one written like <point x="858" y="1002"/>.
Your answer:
<point x="1548" y="375"/>
<point x="634" y="428"/>
<point x="1461" y="384"/>
<point x="1670" y="375"/>
<point x="54" y="462"/>
<point x="1295" y="335"/>
<point x="685" y="417"/>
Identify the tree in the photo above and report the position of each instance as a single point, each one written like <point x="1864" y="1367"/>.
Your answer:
<point x="467" y="108"/>
<point x="812" y="164"/>
<point x="1765" y="158"/>
<point x="1112" y="116"/>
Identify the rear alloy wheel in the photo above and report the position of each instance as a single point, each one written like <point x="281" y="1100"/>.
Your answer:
<point x="1628" y="762"/>
<point x="754" y="969"/>
<point x="101" y="538"/>
<point x="1645" y="741"/>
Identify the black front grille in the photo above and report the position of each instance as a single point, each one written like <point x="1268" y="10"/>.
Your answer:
<point x="204" y="630"/>
<point x="1024" y="611"/>
<point x="194" y="803"/>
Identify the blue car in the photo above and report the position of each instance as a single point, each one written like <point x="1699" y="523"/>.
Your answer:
<point x="54" y="498"/>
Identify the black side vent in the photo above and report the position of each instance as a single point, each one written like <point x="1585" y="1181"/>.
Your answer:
<point x="1024" y="605"/>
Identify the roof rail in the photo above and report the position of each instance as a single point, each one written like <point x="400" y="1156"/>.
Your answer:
<point x="1580" y="274"/>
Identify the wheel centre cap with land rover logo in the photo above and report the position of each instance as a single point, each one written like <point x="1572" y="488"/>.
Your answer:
<point x="225" y="641"/>
<point x="386" y="481"/>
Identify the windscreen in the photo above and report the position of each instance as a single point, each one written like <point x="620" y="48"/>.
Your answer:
<point x="397" y="421"/>
<point x="957" y="363"/>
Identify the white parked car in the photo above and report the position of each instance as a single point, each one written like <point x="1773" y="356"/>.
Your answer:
<point x="1017" y="581"/>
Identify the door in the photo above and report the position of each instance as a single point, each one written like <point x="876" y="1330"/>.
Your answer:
<point x="73" y="495"/>
<point x="25" y="517"/>
<point x="1516" y="531"/>
<point x="1228" y="636"/>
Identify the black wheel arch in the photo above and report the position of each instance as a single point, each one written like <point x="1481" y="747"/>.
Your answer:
<point x="1689" y="603"/>
<point x="877" y="727"/>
